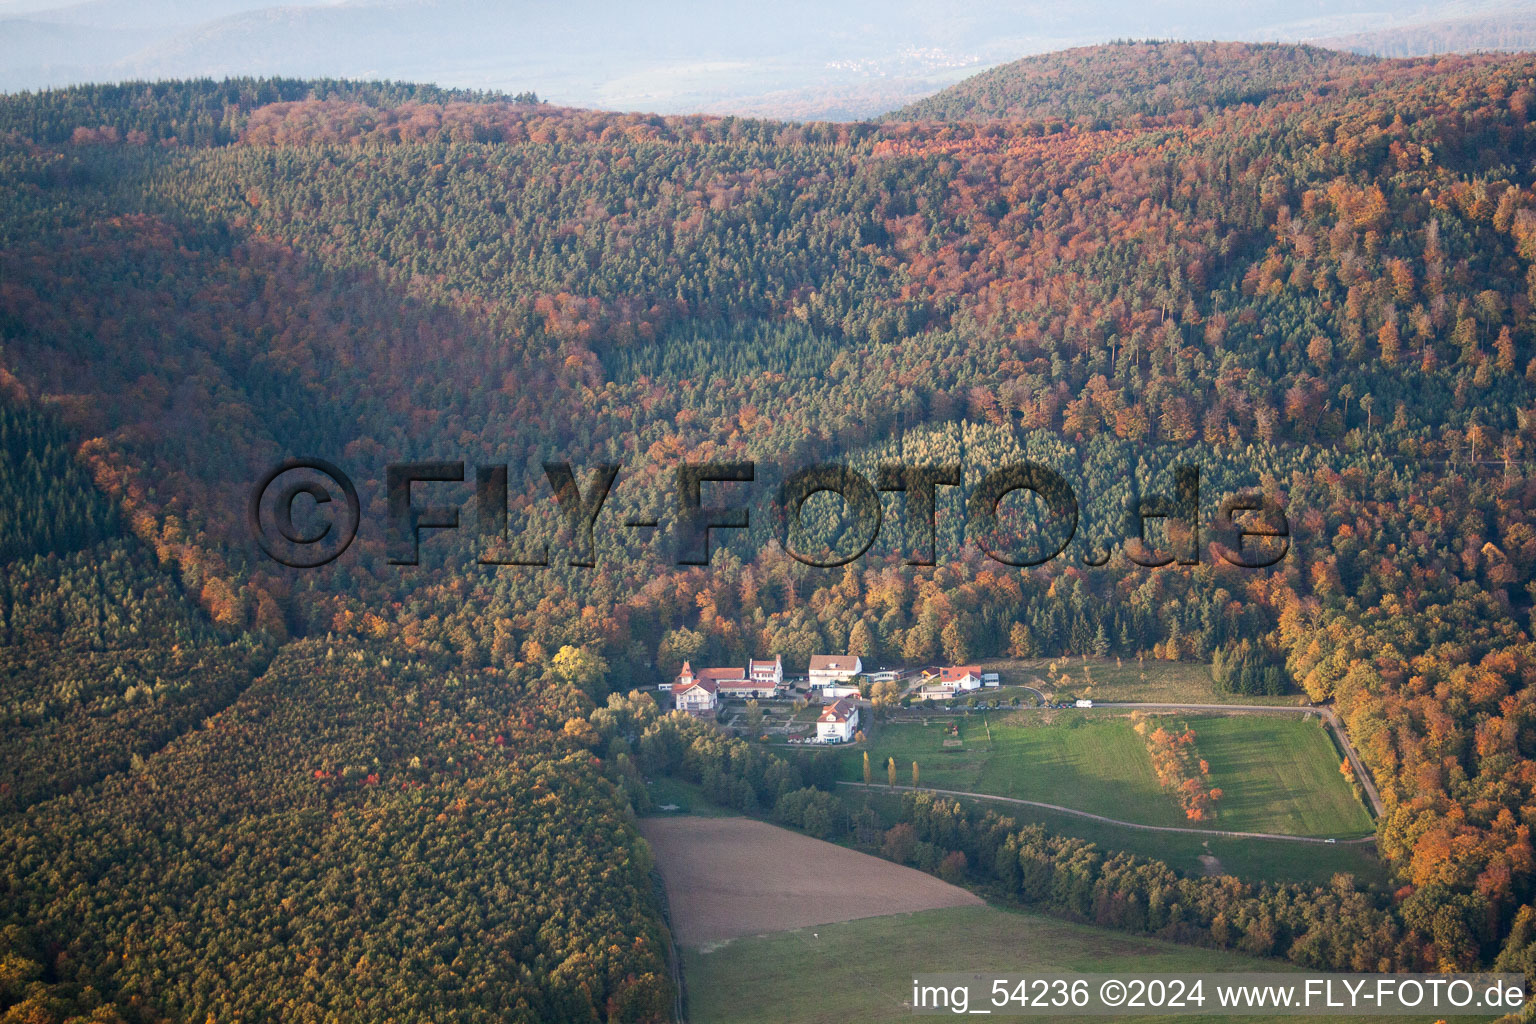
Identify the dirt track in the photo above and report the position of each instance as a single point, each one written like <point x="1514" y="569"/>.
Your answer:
<point x="728" y="877"/>
<point x="969" y="794"/>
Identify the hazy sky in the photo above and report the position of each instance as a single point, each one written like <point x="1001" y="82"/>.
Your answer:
<point x="789" y="57"/>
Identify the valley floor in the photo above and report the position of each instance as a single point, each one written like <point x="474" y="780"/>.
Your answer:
<point x="744" y="963"/>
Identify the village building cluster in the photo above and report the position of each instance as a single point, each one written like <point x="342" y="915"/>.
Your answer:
<point x="830" y="676"/>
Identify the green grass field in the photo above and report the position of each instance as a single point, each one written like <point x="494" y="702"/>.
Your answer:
<point x="1102" y="679"/>
<point x="862" y="970"/>
<point x="1269" y="860"/>
<point x="1281" y="772"/>
<point x="1278" y="773"/>
<point x="687" y="797"/>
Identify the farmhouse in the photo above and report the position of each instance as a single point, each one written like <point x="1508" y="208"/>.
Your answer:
<point x="838" y="722"/>
<point x="828" y="670"/>
<point x="693" y="694"/>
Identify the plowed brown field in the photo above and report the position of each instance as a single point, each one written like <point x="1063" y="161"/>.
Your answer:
<point x="728" y="877"/>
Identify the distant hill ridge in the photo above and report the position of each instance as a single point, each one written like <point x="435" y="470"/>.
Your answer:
<point x="1507" y="31"/>
<point x="1125" y="79"/>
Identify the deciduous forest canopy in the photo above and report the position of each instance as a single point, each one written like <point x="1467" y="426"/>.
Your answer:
<point x="365" y="790"/>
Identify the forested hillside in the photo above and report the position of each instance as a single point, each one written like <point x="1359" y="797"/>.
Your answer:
<point x="273" y="834"/>
<point x="1106" y="85"/>
<point x="1310" y="273"/>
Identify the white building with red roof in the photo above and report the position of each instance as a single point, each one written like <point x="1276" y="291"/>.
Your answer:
<point x="960" y="677"/>
<point x="761" y="679"/>
<point x="950" y="681"/>
<point x="695" y="694"/>
<point x="770" y="672"/>
<point x="838" y="722"/>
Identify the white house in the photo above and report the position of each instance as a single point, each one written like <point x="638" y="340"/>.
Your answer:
<point x="769" y="672"/>
<point x="831" y="669"/>
<point x="838" y="722"/>
<point x="960" y="677"/>
<point x="951" y="681"/>
<point x="694" y="695"/>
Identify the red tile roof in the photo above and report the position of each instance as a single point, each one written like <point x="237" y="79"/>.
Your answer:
<point x="839" y="710"/>
<point x="742" y="684"/>
<point x="959" y="672"/>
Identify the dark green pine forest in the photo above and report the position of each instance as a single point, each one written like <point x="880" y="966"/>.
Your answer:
<point x="368" y="791"/>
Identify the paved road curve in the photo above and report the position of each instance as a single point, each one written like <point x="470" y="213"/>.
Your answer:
<point x="1110" y="821"/>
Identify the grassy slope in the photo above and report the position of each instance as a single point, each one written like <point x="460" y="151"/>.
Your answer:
<point x="862" y="970"/>
<point x="686" y="796"/>
<point x="1281" y="773"/>
<point x="1102" y="679"/>
<point x="1278" y="774"/>
<point x="1257" y="859"/>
